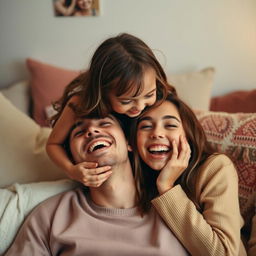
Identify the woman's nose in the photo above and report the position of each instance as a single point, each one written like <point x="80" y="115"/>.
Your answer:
<point x="157" y="133"/>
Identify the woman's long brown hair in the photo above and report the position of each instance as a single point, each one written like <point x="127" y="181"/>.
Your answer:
<point x="200" y="149"/>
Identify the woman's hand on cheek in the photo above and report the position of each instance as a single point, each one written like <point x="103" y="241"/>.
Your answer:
<point x="89" y="174"/>
<point x="175" y="166"/>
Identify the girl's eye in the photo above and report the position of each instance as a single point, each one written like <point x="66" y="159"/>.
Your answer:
<point x="125" y="102"/>
<point x="150" y="95"/>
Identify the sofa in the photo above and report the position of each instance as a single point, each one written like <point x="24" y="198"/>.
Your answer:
<point x="28" y="176"/>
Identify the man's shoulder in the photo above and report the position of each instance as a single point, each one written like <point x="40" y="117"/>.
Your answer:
<point x="51" y="204"/>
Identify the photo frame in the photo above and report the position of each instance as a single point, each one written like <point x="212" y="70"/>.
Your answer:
<point x="76" y="8"/>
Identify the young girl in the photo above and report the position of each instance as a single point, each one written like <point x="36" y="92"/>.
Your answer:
<point x="124" y="77"/>
<point x="193" y="189"/>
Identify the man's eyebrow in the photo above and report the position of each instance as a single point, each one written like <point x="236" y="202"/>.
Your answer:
<point x="75" y="125"/>
<point x="148" y="118"/>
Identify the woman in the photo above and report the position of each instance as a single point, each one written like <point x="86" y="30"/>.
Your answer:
<point x="85" y="8"/>
<point x="193" y="189"/>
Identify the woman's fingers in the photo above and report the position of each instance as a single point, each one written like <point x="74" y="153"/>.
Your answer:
<point x="175" y="152"/>
<point x="185" y="151"/>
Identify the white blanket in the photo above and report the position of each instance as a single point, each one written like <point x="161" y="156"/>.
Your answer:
<point x="17" y="201"/>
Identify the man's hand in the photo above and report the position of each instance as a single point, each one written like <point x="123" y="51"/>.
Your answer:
<point x="175" y="166"/>
<point x="89" y="174"/>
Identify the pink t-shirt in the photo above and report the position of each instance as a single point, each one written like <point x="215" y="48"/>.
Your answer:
<point x="71" y="224"/>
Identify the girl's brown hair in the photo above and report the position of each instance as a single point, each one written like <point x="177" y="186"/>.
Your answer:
<point x="200" y="149"/>
<point x="117" y="66"/>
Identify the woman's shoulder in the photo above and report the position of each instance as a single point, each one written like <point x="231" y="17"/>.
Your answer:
<point x="217" y="165"/>
<point x="218" y="159"/>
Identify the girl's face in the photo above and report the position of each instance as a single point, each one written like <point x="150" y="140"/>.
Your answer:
<point x="133" y="106"/>
<point x="156" y="130"/>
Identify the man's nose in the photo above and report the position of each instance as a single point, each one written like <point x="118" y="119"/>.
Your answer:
<point x="91" y="131"/>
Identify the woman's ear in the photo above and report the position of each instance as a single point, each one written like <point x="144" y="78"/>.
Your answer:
<point x="129" y="148"/>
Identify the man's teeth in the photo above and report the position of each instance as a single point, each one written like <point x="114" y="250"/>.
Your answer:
<point x="98" y="145"/>
<point x="158" y="149"/>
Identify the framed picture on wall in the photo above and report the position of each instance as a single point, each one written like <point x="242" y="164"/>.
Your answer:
<point x="76" y="8"/>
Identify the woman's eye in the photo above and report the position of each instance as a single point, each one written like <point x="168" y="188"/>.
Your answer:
<point x="171" y="126"/>
<point x="145" y="126"/>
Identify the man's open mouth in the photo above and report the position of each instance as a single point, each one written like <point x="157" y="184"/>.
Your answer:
<point x="99" y="144"/>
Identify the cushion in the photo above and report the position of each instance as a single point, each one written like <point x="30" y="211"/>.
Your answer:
<point x="47" y="85"/>
<point x="17" y="201"/>
<point x="235" y="135"/>
<point x="238" y="101"/>
<point x="194" y="87"/>
<point x="18" y="94"/>
<point x="23" y="158"/>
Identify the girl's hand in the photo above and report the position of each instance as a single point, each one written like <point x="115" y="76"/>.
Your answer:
<point x="175" y="166"/>
<point x="89" y="174"/>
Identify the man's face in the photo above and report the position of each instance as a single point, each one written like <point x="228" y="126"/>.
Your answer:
<point x="98" y="140"/>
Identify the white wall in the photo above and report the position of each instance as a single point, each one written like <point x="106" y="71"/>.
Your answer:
<point x="189" y="34"/>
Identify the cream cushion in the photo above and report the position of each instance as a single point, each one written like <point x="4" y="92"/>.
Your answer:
<point x="194" y="87"/>
<point x="18" y="94"/>
<point x="18" y="200"/>
<point x="23" y="158"/>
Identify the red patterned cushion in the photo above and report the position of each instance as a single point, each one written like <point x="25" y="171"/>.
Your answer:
<point x="235" y="135"/>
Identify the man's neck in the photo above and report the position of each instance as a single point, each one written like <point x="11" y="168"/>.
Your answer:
<point x="118" y="191"/>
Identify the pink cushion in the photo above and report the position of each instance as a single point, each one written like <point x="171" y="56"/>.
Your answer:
<point x="235" y="135"/>
<point x="47" y="85"/>
<point x="238" y="101"/>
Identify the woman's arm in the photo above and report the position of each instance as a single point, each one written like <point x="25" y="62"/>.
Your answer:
<point x="215" y="230"/>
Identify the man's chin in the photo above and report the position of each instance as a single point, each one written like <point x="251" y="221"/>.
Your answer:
<point x="106" y="162"/>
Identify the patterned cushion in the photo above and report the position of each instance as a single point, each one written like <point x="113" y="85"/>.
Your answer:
<point x="235" y="135"/>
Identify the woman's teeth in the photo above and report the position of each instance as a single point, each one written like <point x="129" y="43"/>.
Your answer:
<point x="158" y="149"/>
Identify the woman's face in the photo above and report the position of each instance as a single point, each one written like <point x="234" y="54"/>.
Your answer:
<point x="133" y="106"/>
<point x="84" y="4"/>
<point x="156" y="130"/>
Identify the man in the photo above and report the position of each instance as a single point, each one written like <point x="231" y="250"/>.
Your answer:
<point x="104" y="220"/>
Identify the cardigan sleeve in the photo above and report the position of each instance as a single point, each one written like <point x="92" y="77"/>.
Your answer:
<point x="215" y="230"/>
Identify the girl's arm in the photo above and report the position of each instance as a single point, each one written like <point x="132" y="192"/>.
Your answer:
<point x="85" y="172"/>
<point x="215" y="229"/>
